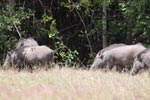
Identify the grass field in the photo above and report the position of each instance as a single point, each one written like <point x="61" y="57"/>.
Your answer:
<point x="73" y="84"/>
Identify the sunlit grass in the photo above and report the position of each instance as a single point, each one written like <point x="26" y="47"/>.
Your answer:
<point x="73" y="84"/>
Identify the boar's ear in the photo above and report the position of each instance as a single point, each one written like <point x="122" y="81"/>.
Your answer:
<point x="101" y="56"/>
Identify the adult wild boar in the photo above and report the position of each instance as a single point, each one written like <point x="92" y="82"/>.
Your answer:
<point x="120" y="56"/>
<point x="112" y="46"/>
<point x="29" y="56"/>
<point x="141" y="61"/>
<point x="26" y="42"/>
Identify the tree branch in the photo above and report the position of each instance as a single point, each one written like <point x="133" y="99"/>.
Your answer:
<point x="90" y="46"/>
<point x="17" y="30"/>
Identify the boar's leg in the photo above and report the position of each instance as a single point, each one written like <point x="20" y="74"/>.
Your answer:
<point x="120" y="68"/>
<point x="109" y="66"/>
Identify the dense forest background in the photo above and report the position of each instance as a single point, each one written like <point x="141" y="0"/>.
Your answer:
<point x="75" y="29"/>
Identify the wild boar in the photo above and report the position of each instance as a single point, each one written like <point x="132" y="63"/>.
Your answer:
<point x="141" y="61"/>
<point x="29" y="56"/>
<point x="120" y="56"/>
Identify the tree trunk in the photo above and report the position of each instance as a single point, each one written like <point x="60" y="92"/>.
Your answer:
<point x="104" y="27"/>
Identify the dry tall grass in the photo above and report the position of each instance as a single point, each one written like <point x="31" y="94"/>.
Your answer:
<point x="71" y="84"/>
